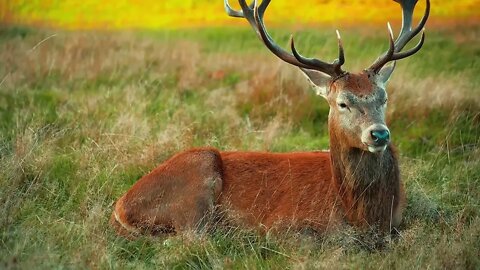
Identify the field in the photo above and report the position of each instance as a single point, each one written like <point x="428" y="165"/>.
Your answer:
<point x="84" y="114"/>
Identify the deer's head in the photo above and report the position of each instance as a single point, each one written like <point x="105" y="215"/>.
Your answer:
<point x="357" y="100"/>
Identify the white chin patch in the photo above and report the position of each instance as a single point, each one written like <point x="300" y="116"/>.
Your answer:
<point x="377" y="149"/>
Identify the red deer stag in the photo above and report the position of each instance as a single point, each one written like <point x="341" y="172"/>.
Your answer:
<point x="357" y="182"/>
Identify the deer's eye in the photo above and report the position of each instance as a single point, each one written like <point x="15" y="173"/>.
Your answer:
<point x="343" y="106"/>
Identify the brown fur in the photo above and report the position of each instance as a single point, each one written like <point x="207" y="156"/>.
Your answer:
<point x="273" y="189"/>
<point x="359" y="84"/>
<point x="368" y="184"/>
<point x="263" y="190"/>
<point x="177" y="195"/>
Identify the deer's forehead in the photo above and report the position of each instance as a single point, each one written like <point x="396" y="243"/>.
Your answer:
<point x="359" y="87"/>
<point x="360" y="84"/>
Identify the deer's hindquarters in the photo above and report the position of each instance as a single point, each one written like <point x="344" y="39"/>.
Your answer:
<point x="177" y="195"/>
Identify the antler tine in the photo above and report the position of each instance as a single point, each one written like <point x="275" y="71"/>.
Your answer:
<point x="246" y="12"/>
<point x="406" y="34"/>
<point x="254" y="14"/>
<point x="263" y="6"/>
<point x="381" y="61"/>
<point x="231" y="12"/>
<point x="334" y="68"/>
<point x="341" y="52"/>
<point x="295" y="59"/>
<point x="401" y="55"/>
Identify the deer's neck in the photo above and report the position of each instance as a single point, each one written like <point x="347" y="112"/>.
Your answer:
<point x="368" y="183"/>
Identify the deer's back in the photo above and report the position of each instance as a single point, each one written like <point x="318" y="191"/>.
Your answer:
<point x="279" y="189"/>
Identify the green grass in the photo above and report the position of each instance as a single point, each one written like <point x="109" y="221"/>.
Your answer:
<point x="83" y="115"/>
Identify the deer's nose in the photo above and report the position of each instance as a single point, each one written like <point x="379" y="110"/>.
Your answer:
<point x="380" y="136"/>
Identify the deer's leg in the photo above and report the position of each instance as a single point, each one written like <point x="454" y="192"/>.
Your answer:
<point x="178" y="195"/>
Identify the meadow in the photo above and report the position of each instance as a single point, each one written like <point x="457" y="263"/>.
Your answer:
<point x="84" y="114"/>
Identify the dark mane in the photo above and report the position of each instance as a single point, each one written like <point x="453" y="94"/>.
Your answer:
<point x="369" y="184"/>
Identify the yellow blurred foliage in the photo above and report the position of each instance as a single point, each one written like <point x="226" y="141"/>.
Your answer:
<point x="119" y="14"/>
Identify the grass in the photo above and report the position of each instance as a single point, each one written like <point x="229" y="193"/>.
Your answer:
<point x="83" y="115"/>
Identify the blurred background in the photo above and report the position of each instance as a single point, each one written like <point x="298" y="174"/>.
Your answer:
<point x="121" y="14"/>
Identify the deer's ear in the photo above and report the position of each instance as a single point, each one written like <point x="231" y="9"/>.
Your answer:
<point x="384" y="74"/>
<point x="319" y="80"/>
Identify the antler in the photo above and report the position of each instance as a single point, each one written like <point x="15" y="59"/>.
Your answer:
<point x="406" y="34"/>
<point x="253" y="13"/>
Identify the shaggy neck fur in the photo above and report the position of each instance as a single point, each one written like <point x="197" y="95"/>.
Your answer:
<point x="368" y="183"/>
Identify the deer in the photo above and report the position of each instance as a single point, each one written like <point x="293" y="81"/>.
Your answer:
<point x="357" y="182"/>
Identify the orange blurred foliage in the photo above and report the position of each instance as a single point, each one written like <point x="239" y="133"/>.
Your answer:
<point x="148" y="14"/>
